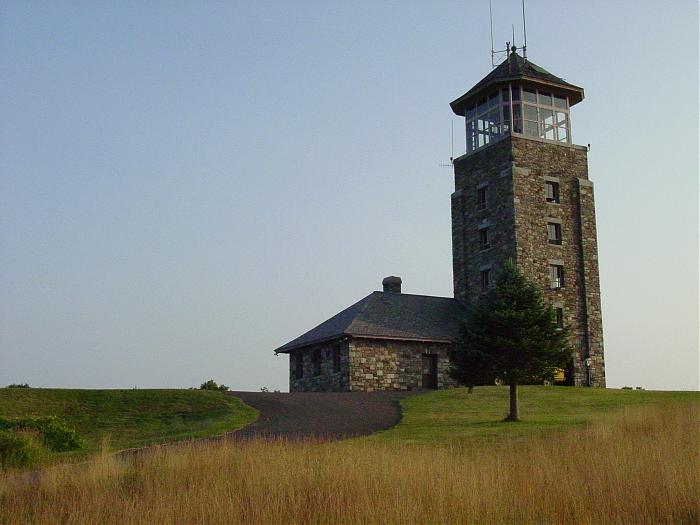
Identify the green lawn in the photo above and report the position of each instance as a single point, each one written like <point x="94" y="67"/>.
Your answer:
<point x="448" y="417"/>
<point x="131" y="418"/>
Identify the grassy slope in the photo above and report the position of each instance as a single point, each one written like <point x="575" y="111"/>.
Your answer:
<point x="131" y="418"/>
<point x="449" y="417"/>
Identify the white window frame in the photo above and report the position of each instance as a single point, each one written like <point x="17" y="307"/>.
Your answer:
<point x="540" y="107"/>
<point x="482" y="188"/>
<point x="488" y="270"/>
<point x="558" y="308"/>
<point x="475" y="118"/>
<point x="556" y="275"/>
<point x="557" y="240"/>
<point x="556" y="199"/>
<point x="484" y="239"/>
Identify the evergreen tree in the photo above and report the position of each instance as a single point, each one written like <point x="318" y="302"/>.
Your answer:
<point x="511" y="335"/>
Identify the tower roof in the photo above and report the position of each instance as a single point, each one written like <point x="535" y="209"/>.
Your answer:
<point x="516" y="68"/>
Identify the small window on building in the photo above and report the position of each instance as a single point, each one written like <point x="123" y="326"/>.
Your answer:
<point x="556" y="276"/>
<point x="544" y="99"/>
<point x="559" y="316"/>
<point x="560" y="102"/>
<point x="515" y="92"/>
<point x="517" y="119"/>
<point x="484" y="243"/>
<point x="529" y="95"/>
<point x="317" y="359"/>
<point x="552" y="191"/>
<point x="544" y="115"/>
<point x="531" y="120"/>
<point x="554" y="233"/>
<point x="562" y="126"/>
<point x="481" y="198"/>
<point x="299" y="365"/>
<point x="336" y="358"/>
<point x="485" y="279"/>
<point x="506" y="118"/>
<point x="547" y="130"/>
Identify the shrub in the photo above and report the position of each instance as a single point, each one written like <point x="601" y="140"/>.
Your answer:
<point x="211" y="385"/>
<point x="18" y="385"/>
<point x="56" y="434"/>
<point x="20" y="448"/>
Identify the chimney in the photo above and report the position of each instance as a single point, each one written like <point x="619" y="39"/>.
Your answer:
<point x="392" y="284"/>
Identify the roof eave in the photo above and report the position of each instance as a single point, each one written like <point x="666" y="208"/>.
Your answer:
<point x="288" y="349"/>
<point x="412" y="339"/>
<point x="285" y="349"/>
<point x="458" y="106"/>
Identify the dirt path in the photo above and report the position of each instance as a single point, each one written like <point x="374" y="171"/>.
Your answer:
<point x="323" y="415"/>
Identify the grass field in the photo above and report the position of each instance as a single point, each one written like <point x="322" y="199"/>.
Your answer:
<point x="454" y="417"/>
<point x="639" y="465"/>
<point x="131" y="418"/>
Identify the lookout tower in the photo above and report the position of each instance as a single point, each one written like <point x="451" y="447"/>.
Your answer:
<point x="522" y="192"/>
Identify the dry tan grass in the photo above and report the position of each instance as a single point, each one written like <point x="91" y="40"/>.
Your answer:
<point x="642" y="467"/>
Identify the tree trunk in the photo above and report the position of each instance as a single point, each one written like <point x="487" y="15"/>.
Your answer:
<point x="514" y="412"/>
<point x="471" y="389"/>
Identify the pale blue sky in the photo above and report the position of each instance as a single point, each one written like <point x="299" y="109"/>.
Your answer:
<point x="185" y="186"/>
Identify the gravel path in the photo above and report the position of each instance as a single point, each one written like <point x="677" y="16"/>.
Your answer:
<point x="323" y="415"/>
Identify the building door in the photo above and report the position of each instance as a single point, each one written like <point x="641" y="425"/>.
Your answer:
<point x="430" y="371"/>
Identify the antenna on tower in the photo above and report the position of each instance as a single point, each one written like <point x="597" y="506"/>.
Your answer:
<point x="491" y="22"/>
<point x="497" y="57"/>
<point x="524" y="34"/>
<point x="452" y="157"/>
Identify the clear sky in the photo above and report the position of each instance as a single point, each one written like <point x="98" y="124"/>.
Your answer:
<point x="185" y="186"/>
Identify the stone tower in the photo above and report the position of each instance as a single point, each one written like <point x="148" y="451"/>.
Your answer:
<point x="522" y="192"/>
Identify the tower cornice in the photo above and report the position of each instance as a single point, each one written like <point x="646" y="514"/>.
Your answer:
<point x="516" y="69"/>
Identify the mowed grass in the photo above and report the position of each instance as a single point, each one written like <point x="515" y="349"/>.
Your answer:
<point x="131" y="418"/>
<point x="454" y="417"/>
<point x="638" y="466"/>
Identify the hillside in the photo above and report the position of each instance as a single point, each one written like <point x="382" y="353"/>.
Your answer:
<point x="451" y="417"/>
<point x="131" y="418"/>
<point x="639" y="466"/>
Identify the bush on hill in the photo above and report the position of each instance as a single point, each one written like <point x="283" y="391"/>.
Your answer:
<point x="18" y="385"/>
<point x="211" y="385"/>
<point x="56" y="434"/>
<point x="20" y="449"/>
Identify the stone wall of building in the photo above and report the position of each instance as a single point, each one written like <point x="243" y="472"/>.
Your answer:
<point x="534" y="163"/>
<point x="394" y="365"/>
<point x="323" y="378"/>
<point x="517" y="169"/>
<point x="591" y="282"/>
<point x="490" y="168"/>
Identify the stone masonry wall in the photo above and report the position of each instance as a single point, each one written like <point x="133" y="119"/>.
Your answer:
<point x="325" y="381"/>
<point x="394" y="365"/>
<point x="489" y="168"/>
<point x="515" y="170"/>
<point x="591" y="281"/>
<point x="533" y="161"/>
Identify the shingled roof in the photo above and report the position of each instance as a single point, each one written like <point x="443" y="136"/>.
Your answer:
<point x="517" y="68"/>
<point x="389" y="315"/>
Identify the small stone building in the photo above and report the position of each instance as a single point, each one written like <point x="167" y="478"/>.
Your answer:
<point x="387" y="341"/>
